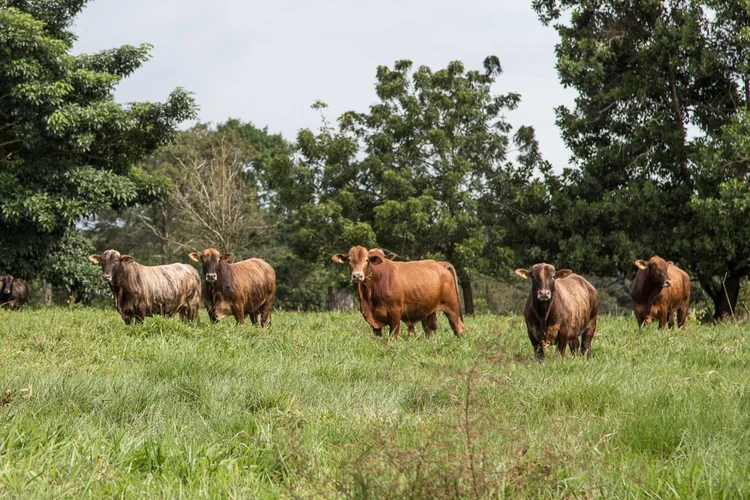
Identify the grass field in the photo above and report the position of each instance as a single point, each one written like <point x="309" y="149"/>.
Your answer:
<point x="315" y="406"/>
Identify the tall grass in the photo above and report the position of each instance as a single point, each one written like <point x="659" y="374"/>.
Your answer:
<point x="316" y="406"/>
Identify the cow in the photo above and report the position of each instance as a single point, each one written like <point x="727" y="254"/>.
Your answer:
<point x="241" y="288"/>
<point x="390" y="292"/>
<point x="561" y="307"/>
<point x="13" y="293"/>
<point x="433" y="319"/>
<point x="659" y="289"/>
<point x="142" y="291"/>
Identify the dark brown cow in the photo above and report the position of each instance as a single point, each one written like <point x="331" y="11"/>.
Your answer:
<point x="391" y="292"/>
<point x="561" y="307"/>
<point x="14" y="293"/>
<point x="242" y="288"/>
<point x="142" y="291"/>
<point x="659" y="289"/>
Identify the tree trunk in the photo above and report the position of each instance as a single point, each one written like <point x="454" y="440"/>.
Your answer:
<point x="468" y="297"/>
<point x="46" y="293"/>
<point x="724" y="294"/>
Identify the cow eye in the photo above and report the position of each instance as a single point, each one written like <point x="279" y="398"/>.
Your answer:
<point x="367" y="259"/>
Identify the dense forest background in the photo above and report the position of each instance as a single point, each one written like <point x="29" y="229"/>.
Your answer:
<point x="658" y="137"/>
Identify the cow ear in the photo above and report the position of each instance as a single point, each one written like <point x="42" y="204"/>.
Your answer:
<point x="563" y="273"/>
<point x="227" y="257"/>
<point x="375" y="259"/>
<point x="339" y="258"/>
<point x="391" y="256"/>
<point x="641" y="264"/>
<point x="126" y="258"/>
<point x="195" y="256"/>
<point x="524" y="273"/>
<point x="94" y="258"/>
<point x="670" y="263"/>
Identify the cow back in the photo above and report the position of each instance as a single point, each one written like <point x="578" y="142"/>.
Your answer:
<point x="417" y="287"/>
<point x="574" y="302"/>
<point x="251" y="280"/>
<point x="160" y="289"/>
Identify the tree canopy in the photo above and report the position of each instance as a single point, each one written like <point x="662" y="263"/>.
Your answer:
<point x="67" y="149"/>
<point x="661" y="87"/>
<point x="410" y="174"/>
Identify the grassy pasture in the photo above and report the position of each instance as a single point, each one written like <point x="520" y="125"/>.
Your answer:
<point x="314" y="406"/>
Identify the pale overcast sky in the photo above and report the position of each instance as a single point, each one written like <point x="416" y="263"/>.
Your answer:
<point x="267" y="62"/>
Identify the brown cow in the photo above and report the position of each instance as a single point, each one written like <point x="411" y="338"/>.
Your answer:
<point x="142" y="291"/>
<point x="14" y="293"/>
<point x="242" y="288"/>
<point x="659" y="288"/>
<point x="391" y="292"/>
<point x="432" y="319"/>
<point x="561" y="307"/>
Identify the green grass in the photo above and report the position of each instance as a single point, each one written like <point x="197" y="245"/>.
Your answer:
<point x="315" y="406"/>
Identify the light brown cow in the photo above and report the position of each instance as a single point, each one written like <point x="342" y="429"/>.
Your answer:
<point x="560" y="308"/>
<point x="391" y="292"/>
<point x="142" y="291"/>
<point x="432" y="319"/>
<point x="659" y="289"/>
<point x="242" y="288"/>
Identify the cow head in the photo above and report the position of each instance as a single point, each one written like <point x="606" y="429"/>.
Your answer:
<point x="656" y="270"/>
<point x="210" y="260"/>
<point x="7" y="285"/>
<point x="543" y="278"/>
<point x="360" y="260"/>
<point x="109" y="261"/>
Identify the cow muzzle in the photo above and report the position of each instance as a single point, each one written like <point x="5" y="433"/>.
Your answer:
<point x="358" y="277"/>
<point x="211" y="277"/>
<point x="544" y="295"/>
<point x="667" y="283"/>
<point x="107" y="277"/>
<point x="7" y="291"/>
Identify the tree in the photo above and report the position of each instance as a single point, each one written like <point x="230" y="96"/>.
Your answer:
<point x="656" y="82"/>
<point x="411" y="173"/>
<point x="66" y="148"/>
<point x="212" y="200"/>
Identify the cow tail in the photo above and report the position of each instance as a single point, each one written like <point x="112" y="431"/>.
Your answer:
<point x="458" y="293"/>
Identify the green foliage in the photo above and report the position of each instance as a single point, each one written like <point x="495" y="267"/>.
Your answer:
<point x="315" y="407"/>
<point x="660" y="85"/>
<point x="66" y="148"/>
<point x="424" y="173"/>
<point x="170" y="224"/>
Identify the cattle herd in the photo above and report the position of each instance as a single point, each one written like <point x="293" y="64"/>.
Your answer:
<point x="561" y="308"/>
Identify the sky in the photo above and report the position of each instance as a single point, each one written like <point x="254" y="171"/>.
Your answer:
<point x="268" y="62"/>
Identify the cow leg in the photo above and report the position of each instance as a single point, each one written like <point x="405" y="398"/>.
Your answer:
<point x="239" y="314"/>
<point x="430" y="325"/>
<point x="640" y="317"/>
<point x="682" y="313"/>
<point x="538" y="349"/>
<point x="588" y="337"/>
<point x="265" y="311"/>
<point x="454" y="319"/>
<point x="574" y="344"/>
<point x="395" y="323"/>
<point x="662" y="317"/>
<point x="670" y="319"/>
<point x="253" y="317"/>
<point x="562" y="346"/>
